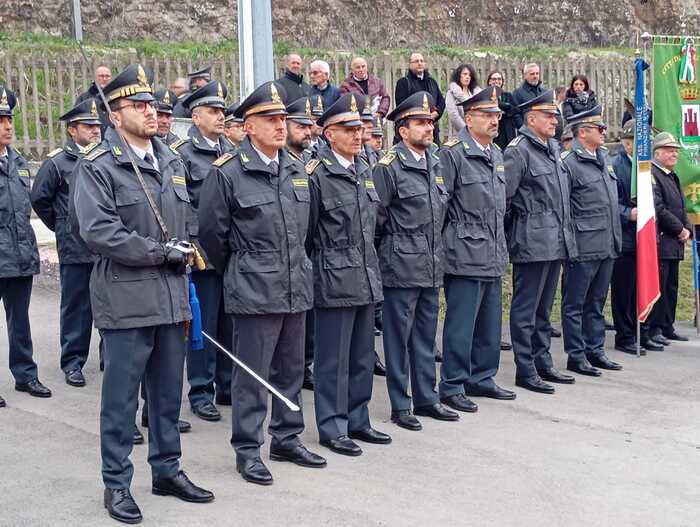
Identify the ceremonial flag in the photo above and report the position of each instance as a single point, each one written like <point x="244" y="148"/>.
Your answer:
<point x="647" y="262"/>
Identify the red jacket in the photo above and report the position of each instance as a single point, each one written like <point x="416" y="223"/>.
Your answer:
<point x="375" y="88"/>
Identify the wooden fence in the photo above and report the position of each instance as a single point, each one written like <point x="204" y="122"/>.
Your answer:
<point x="46" y="86"/>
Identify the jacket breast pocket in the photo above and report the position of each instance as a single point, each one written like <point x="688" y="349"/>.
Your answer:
<point x="255" y="200"/>
<point x="302" y="194"/>
<point x="126" y="197"/>
<point x="339" y="200"/>
<point x="181" y="192"/>
<point x="542" y="170"/>
<point x="372" y="194"/>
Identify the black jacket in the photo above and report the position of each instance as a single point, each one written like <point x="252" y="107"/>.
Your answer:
<point x="253" y="230"/>
<point x="19" y="255"/>
<point x="294" y="86"/>
<point x="622" y="165"/>
<point x="130" y="286"/>
<point x="341" y="233"/>
<point x="577" y="104"/>
<point x="50" y="200"/>
<point x="409" y="224"/>
<point x="523" y="94"/>
<point x="507" y="127"/>
<point x="473" y="236"/>
<point x="410" y="84"/>
<point x="594" y="203"/>
<point x="671" y="216"/>
<point x="539" y="226"/>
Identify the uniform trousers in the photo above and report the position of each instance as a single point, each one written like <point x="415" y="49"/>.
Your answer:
<point x="623" y="298"/>
<point x="16" y="293"/>
<point x="76" y="315"/>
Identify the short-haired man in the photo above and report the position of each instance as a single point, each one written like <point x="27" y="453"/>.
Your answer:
<point x="675" y="231"/>
<point x="361" y="82"/>
<point x="164" y="101"/>
<point x="195" y="80"/>
<point x="529" y="89"/>
<point x="347" y="282"/>
<point x="103" y="75"/>
<point x="233" y="126"/>
<point x="319" y="75"/>
<point x="293" y="79"/>
<point x="50" y="200"/>
<point x="179" y="86"/>
<point x="19" y="256"/>
<point x="254" y="230"/>
<point x="540" y="236"/>
<point x="409" y="181"/>
<point x="138" y="289"/>
<point x="299" y="124"/>
<point x="377" y="141"/>
<point x="594" y="211"/>
<point x="208" y="370"/>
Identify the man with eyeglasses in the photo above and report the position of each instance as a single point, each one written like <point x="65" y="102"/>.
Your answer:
<point x="138" y="289"/>
<point x="475" y="256"/>
<point x="417" y="79"/>
<point x="594" y="211"/>
<point x="319" y="75"/>
<point x="540" y="236"/>
<point x="208" y="370"/>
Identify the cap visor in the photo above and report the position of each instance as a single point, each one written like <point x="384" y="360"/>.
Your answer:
<point x="140" y="97"/>
<point x="301" y="120"/>
<point x="348" y="124"/>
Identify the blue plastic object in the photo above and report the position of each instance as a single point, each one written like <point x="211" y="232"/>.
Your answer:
<point x="196" y="339"/>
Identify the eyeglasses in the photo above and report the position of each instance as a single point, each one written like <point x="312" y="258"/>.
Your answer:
<point x="139" y="106"/>
<point x="601" y="129"/>
<point x="414" y="61"/>
<point x="488" y="115"/>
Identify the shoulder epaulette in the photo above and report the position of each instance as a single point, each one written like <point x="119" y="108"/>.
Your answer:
<point x="498" y="147"/>
<point x="451" y="142"/>
<point x="177" y="144"/>
<point x="94" y="154"/>
<point x="54" y="152"/>
<point x="89" y="148"/>
<point x="387" y="158"/>
<point x="604" y="148"/>
<point x="293" y="155"/>
<point x="516" y="141"/>
<point x="564" y="154"/>
<point x="311" y="166"/>
<point x="223" y="159"/>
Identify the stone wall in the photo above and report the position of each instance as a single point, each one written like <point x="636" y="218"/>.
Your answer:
<point x="345" y="24"/>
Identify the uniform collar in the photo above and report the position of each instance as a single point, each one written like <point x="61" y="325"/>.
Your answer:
<point x="584" y="154"/>
<point x="472" y="148"/>
<point x="524" y="130"/>
<point x="199" y="141"/>
<point x="250" y="158"/>
<point x="163" y="153"/>
<point x="407" y="157"/>
<point x="331" y="162"/>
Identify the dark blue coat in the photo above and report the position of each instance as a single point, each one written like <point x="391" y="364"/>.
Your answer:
<point x="622" y="165"/>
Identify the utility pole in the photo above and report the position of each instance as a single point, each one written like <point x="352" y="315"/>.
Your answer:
<point x="77" y="21"/>
<point x="254" y="44"/>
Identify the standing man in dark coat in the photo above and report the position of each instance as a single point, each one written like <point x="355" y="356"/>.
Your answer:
<point x="529" y="89"/>
<point x="674" y="230"/>
<point x="208" y="370"/>
<point x="347" y="282"/>
<point x="254" y="232"/>
<point x="409" y="181"/>
<point x="417" y="79"/>
<point x="19" y="256"/>
<point x="540" y="236"/>
<point x="319" y="73"/>
<point x="196" y="80"/>
<point x="50" y="199"/>
<point x="293" y="79"/>
<point x="595" y="213"/>
<point x="138" y="289"/>
<point x="476" y="256"/>
<point x="102" y="77"/>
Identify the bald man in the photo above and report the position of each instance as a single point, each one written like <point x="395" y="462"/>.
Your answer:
<point x="293" y="79"/>
<point x="361" y="82"/>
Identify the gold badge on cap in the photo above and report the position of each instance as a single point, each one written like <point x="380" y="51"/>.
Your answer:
<point x="494" y="98"/>
<point x="319" y="107"/>
<point x="426" y="106"/>
<point x="141" y="77"/>
<point x="3" y="100"/>
<point x="353" y="104"/>
<point x="308" y="107"/>
<point x="166" y="97"/>
<point x="220" y="92"/>
<point x="93" y="109"/>
<point x="273" y="93"/>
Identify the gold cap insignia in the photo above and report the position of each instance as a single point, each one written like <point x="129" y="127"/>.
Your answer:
<point x="308" y="107"/>
<point x="3" y="99"/>
<point x="220" y="92"/>
<point x="426" y="106"/>
<point x="353" y="104"/>
<point x="494" y="98"/>
<point x="166" y="97"/>
<point x="273" y="93"/>
<point x="141" y="77"/>
<point x="319" y="106"/>
<point x="368" y="106"/>
<point x="93" y="110"/>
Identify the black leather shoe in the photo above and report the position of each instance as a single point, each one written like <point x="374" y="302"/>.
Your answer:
<point x="181" y="487"/>
<point x="534" y="384"/>
<point x="554" y="375"/>
<point x="138" y="436"/>
<point x="254" y="471"/>
<point x="33" y="388"/>
<point x="437" y="411"/>
<point x="342" y="445"/>
<point x="207" y="411"/>
<point x="603" y="362"/>
<point x="438" y="355"/>
<point x="308" y="380"/>
<point x="582" y="367"/>
<point x="626" y="348"/>
<point x="492" y="393"/>
<point x="650" y="345"/>
<point x="370" y="435"/>
<point x="405" y="419"/>
<point x="75" y="378"/>
<point x="379" y="369"/>
<point x="2" y="402"/>
<point x="506" y="346"/>
<point x="660" y="339"/>
<point x="555" y="333"/>
<point x="460" y="402"/>
<point x="675" y="336"/>
<point x="121" y="506"/>
<point x="299" y="455"/>
<point x="223" y="399"/>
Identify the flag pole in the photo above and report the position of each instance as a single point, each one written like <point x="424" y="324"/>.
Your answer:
<point x="696" y="279"/>
<point x="637" y="54"/>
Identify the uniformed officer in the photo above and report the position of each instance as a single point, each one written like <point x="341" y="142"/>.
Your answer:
<point x="377" y="141"/>
<point x="409" y="181"/>
<point x="208" y="370"/>
<point x="347" y="281"/>
<point x="196" y="80"/>
<point x="233" y="126"/>
<point x="19" y="256"/>
<point x="540" y="235"/>
<point x="367" y="119"/>
<point x="594" y="211"/>
<point x="136" y="226"/>
<point x="164" y="100"/>
<point x="50" y="199"/>
<point x="475" y="256"/>
<point x="253" y="230"/>
<point x="317" y="139"/>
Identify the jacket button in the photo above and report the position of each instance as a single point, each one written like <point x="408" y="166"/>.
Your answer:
<point x="115" y="277"/>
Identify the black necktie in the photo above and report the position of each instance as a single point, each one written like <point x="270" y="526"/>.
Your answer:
<point x="487" y="153"/>
<point x="423" y="163"/>
<point x="274" y="166"/>
<point x="218" y="149"/>
<point x="148" y="158"/>
<point x="3" y="163"/>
